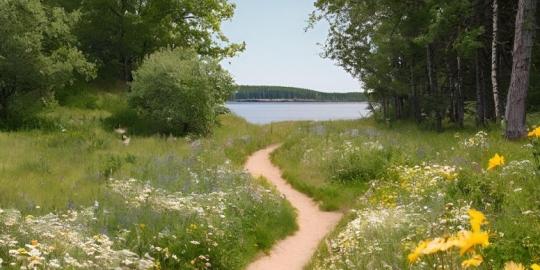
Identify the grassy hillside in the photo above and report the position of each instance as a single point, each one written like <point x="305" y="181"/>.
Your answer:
<point x="74" y="195"/>
<point x="246" y="92"/>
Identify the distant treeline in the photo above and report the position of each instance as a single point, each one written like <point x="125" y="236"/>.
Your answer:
<point x="261" y="93"/>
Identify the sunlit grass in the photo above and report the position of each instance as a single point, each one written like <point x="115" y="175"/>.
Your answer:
<point x="70" y="162"/>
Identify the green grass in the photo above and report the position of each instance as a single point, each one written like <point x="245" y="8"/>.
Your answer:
<point x="362" y="166"/>
<point x="189" y="204"/>
<point x="71" y="158"/>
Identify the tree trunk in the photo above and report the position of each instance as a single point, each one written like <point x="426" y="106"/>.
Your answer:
<point x="6" y="93"/>
<point x="398" y="108"/>
<point x="480" y="104"/>
<point x="385" y="108"/>
<point x="452" y="91"/>
<point x="494" y="61"/>
<point x="431" y="80"/>
<point x="125" y="57"/>
<point x="432" y="77"/>
<point x="3" y="108"/>
<point x="519" y="83"/>
<point x="414" y="101"/>
<point x="459" y="96"/>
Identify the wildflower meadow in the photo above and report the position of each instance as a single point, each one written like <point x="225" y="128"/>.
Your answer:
<point x="75" y="194"/>
<point x="417" y="199"/>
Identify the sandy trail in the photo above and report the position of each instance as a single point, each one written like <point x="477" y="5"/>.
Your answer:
<point x="293" y="252"/>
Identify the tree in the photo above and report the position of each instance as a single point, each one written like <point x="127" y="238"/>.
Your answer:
<point x="494" y="41"/>
<point x="425" y="60"/>
<point x="180" y="91"/>
<point x="519" y="85"/>
<point x="407" y="53"/>
<point x="120" y="34"/>
<point x="37" y="51"/>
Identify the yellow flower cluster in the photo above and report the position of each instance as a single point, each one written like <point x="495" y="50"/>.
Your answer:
<point x="465" y="241"/>
<point x="495" y="161"/>
<point x="475" y="261"/>
<point x="535" y="133"/>
<point x="514" y="266"/>
<point x="519" y="266"/>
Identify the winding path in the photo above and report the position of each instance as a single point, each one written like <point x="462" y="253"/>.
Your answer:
<point x="293" y="252"/>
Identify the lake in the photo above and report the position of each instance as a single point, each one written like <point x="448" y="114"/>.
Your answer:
<point x="268" y="112"/>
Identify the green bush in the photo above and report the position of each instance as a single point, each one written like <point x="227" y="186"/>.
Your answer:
<point x="359" y="166"/>
<point x="180" y="91"/>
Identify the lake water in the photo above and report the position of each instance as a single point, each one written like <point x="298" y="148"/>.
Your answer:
<point x="267" y="112"/>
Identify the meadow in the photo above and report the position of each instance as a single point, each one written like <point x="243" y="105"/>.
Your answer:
<point x="73" y="194"/>
<point x="117" y="150"/>
<point x="418" y="199"/>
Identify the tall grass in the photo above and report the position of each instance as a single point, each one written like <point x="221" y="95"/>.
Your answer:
<point x="174" y="202"/>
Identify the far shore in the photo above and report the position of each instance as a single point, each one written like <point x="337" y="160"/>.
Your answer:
<point x="294" y="100"/>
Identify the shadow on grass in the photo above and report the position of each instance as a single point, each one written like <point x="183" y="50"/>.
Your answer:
<point x="136" y="125"/>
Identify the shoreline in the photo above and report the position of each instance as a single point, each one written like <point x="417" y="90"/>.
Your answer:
<point x="291" y="101"/>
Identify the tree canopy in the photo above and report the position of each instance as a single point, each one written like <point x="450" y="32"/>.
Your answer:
<point x="38" y="51"/>
<point x="119" y="34"/>
<point x="46" y="45"/>
<point x="426" y="60"/>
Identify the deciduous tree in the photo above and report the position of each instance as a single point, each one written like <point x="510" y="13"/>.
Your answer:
<point x="120" y="34"/>
<point x="519" y="85"/>
<point x="37" y="51"/>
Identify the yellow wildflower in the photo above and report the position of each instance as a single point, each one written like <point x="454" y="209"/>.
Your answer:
<point x="514" y="266"/>
<point x="465" y="241"/>
<point x="535" y="266"/>
<point x="418" y="251"/>
<point x="142" y="226"/>
<point x="535" y="133"/>
<point x="468" y="240"/>
<point x="450" y="176"/>
<point x="495" y="162"/>
<point x="434" y="246"/>
<point x="475" y="261"/>
<point x="34" y="243"/>
<point x="453" y="241"/>
<point x="476" y="219"/>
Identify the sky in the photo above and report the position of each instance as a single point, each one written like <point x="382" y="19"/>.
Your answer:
<point x="279" y="51"/>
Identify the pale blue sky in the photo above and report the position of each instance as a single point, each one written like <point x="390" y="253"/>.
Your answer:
<point x="279" y="51"/>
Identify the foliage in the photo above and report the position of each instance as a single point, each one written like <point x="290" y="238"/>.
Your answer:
<point x="120" y="34"/>
<point x="423" y="60"/>
<point x="37" y="54"/>
<point x="180" y="91"/>
<point x="355" y="164"/>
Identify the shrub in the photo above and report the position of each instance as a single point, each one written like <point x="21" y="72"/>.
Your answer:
<point x="180" y="91"/>
<point x="355" y="164"/>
